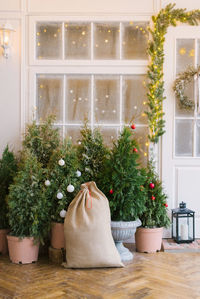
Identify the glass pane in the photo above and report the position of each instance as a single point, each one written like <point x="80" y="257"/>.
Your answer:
<point x="106" y="41"/>
<point x="183" y="137"/>
<point x="49" y="41"/>
<point x="198" y="138"/>
<point x="77" y="41"/>
<point x="49" y="96"/>
<point x="189" y="92"/>
<point x="78" y="99"/>
<point x="198" y="52"/>
<point x="141" y="136"/>
<point x="134" y="43"/>
<point x="110" y="134"/>
<point x="74" y="134"/>
<point x="185" y="54"/>
<point x="134" y="99"/>
<point x="106" y="99"/>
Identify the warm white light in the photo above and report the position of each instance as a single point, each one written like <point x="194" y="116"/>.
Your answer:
<point x="5" y="37"/>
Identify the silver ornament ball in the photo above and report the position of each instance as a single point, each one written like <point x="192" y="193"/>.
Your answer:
<point x="70" y="188"/>
<point x="61" y="162"/>
<point x="59" y="195"/>
<point x="47" y="183"/>
<point x="78" y="173"/>
<point x="62" y="213"/>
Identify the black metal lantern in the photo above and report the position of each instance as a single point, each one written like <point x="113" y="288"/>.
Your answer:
<point x="183" y="228"/>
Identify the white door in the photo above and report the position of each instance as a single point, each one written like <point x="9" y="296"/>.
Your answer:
<point x="181" y="142"/>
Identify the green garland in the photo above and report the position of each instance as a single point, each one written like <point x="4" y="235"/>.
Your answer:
<point x="180" y="84"/>
<point x="166" y="17"/>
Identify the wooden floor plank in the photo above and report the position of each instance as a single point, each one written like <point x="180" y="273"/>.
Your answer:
<point x="149" y="276"/>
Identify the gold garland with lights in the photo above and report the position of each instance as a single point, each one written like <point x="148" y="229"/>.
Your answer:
<point x="166" y="17"/>
<point x="180" y="84"/>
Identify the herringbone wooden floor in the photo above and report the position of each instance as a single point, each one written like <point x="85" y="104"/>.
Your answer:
<point x="160" y="275"/>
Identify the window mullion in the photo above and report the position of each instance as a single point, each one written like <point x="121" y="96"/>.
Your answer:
<point x="92" y="101"/>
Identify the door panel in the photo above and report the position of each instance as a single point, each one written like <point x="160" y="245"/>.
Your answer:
<point x="181" y="142"/>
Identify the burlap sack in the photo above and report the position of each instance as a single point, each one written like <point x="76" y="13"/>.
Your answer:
<point x="89" y="242"/>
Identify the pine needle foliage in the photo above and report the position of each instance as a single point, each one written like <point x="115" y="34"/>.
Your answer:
<point x="155" y="214"/>
<point x="122" y="180"/>
<point x="28" y="207"/>
<point x="8" y="169"/>
<point x="92" y="152"/>
<point x="42" y="139"/>
<point x="61" y="177"/>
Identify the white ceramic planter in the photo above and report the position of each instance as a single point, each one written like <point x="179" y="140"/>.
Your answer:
<point x="122" y="231"/>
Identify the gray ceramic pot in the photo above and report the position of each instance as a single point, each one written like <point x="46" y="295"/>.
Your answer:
<point x="122" y="231"/>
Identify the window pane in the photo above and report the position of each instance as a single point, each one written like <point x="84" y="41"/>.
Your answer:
<point x="77" y="41"/>
<point x="106" y="99"/>
<point x="198" y="52"/>
<point x="183" y="137"/>
<point x="109" y="134"/>
<point x="185" y="54"/>
<point x="78" y="99"/>
<point x="49" y="96"/>
<point x="49" y="41"/>
<point x="134" y="99"/>
<point x="198" y="138"/>
<point x="74" y="134"/>
<point x="106" y="41"/>
<point x="134" y="43"/>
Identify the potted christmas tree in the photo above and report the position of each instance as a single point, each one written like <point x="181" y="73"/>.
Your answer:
<point x="148" y="237"/>
<point x="28" y="211"/>
<point x="8" y="169"/>
<point x="122" y="182"/>
<point x="91" y="154"/>
<point x="62" y="184"/>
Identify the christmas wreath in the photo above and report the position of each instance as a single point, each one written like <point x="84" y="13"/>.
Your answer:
<point x="180" y="84"/>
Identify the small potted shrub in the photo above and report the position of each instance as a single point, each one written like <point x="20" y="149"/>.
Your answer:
<point x="62" y="184"/>
<point x="122" y="182"/>
<point x="91" y="154"/>
<point x="28" y="211"/>
<point x="8" y="169"/>
<point x="148" y="237"/>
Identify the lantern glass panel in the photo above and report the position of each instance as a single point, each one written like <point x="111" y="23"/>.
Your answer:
<point x="183" y="229"/>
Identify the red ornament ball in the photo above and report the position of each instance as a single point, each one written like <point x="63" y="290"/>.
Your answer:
<point x="153" y="197"/>
<point x="166" y="205"/>
<point x="151" y="185"/>
<point x="133" y="127"/>
<point x="135" y="150"/>
<point x="111" y="191"/>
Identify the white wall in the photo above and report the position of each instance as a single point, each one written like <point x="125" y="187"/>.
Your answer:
<point x="13" y="72"/>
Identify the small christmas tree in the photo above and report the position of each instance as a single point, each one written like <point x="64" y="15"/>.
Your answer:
<point x="156" y="202"/>
<point x="63" y="181"/>
<point x="91" y="153"/>
<point x="122" y="181"/>
<point x="42" y="140"/>
<point x="8" y="169"/>
<point x="28" y="207"/>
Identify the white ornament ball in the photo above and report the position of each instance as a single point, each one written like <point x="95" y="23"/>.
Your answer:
<point x="61" y="162"/>
<point x="70" y="188"/>
<point x="78" y="173"/>
<point x="62" y="213"/>
<point x="59" y="195"/>
<point x="47" y="183"/>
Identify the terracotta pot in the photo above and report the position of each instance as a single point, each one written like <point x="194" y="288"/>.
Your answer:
<point x="57" y="235"/>
<point x="22" y="251"/>
<point x="148" y="239"/>
<point x="3" y="241"/>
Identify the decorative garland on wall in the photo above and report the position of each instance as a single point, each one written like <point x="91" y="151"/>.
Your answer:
<point x="166" y="17"/>
<point x="180" y="84"/>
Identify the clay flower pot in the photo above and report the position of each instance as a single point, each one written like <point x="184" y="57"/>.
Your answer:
<point x="3" y="241"/>
<point x="148" y="240"/>
<point x="57" y="235"/>
<point x="22" y="251"/>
